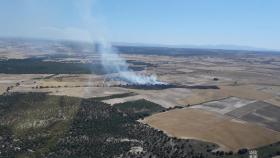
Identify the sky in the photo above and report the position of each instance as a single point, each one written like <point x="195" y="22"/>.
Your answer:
<point x="253" y="23"/>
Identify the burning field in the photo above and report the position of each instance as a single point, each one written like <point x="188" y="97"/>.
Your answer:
<point x="220" y="99"/>
<point x="112" y="62"/>
<point x="161" y="86"/>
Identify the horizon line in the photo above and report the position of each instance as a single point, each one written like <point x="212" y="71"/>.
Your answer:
<point x="139" y="44"/>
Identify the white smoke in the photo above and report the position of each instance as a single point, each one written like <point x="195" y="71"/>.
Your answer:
<point x="110" y="59"/>
<point x="112" y="62"/>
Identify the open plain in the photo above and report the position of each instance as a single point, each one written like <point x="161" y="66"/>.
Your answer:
<point x="228" y="133"/>
<point x="231" y="99"/>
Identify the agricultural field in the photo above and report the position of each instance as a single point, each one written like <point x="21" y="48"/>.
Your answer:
<point x="208" y="103"/>
<point x="230" y="134"/>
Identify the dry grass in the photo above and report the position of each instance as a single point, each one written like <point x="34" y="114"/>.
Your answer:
<point x="244" y="91"/>
<point x="167" y="97"/>
<point x="200" y="96"/>
<point x="123" y="100"/>
<point x="203" y="125"/>
<point x="3" y="88"/>
<point x="274" y="101"/>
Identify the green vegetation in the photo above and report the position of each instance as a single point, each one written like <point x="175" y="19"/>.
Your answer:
<point x="140" y="63"/>
<point x="122" y="95"/>
<point x="40" y="125"/>
<point x="34" y="121"/>
<point x="139" y="108"/>
<point x="39" y="66"/>
<point x="269" y="151"/>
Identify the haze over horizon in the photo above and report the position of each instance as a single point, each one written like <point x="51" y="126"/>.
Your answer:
<point x="193" y="23"/>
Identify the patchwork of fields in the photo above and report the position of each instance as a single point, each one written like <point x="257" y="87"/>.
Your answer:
<point x="72" y="97"/>
<point x="233" y="123"/>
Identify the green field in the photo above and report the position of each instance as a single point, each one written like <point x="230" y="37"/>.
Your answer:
<point x="139" y="108"/>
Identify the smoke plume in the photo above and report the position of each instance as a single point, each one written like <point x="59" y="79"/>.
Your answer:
<point x="113" y="63"/>
<point x="110" y="59"/>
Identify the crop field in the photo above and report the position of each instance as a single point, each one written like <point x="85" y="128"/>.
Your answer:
<point x="209" y="103"/>
<point x="224" y="106"/>
<point x="260" y="113"/>
<point x="232" y="122"/>
<point x="228" y="133"/>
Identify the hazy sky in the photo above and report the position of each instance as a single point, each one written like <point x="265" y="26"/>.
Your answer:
<point x="180" y="22"/>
